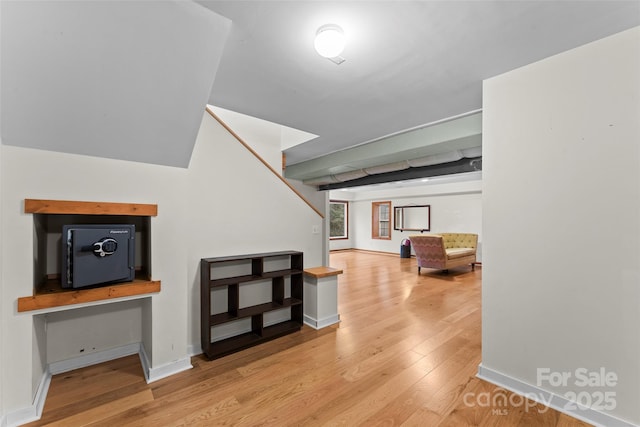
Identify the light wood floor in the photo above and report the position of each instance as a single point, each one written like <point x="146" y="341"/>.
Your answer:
<point x="405" y="353"/>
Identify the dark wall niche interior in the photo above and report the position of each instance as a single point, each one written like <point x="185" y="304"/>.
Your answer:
<point x="47" y="252"/>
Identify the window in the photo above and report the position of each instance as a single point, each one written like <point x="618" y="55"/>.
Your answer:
<point x="381" y="220"/>
<point x="338" y="219"/>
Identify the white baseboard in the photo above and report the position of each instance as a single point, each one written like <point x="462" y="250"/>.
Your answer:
<point x="21" y="416"/>
<point x="34" y="412"/>
<point x="93" y="358"/>
<point x="41" y="393"/>
<point x="555" y="401"/>
<point x="322" y="323"/>
<point x="144" y="361"/>
<point x="155" y="374"/>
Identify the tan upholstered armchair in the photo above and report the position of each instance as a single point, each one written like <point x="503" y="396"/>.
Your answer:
<point x="446" y="250"/>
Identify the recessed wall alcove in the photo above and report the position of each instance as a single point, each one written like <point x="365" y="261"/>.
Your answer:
<point x="79" y="327"/>
<point x="48" y="218"/>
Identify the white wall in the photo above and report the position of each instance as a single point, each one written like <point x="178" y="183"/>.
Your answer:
<point x="3" y="365"/>
<point x="268" y="139"/>
<point x="455" y="207"/>
<point x="98" y="327"/>
<point x="561" y="212"/>
<point x="262" y="136"/>
<point x="320" y="200"/>
<point x="237" y="206"/>
<point x="29" y="173"/>
<point x="226" y="203"/>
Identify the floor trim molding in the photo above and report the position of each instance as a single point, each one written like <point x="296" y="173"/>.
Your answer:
<point x="554" y="401"/>
<point x="322" y="323"/>
<point x="93" y="358"/>
<point x="34" y="411"/>
<point x="166" y="370"/>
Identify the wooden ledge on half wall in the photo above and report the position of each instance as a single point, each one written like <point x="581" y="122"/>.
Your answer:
<point x="322" y="271"/>
<point x="52" y="295"/>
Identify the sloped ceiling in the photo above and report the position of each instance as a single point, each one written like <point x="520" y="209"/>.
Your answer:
<point x="115" y="79"/>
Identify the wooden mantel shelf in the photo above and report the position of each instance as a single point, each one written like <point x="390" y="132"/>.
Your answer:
<point x="38" y="206"/>
<point x="53" y="296"/>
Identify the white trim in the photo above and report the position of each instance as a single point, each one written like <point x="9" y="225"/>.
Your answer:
<point x="93" y="358"/>
<point x="557" y="402"/>
<point x="41" y="393"/>
<point x="155" y="374"/>
<point x="21" y="416"/>
<point x="144" y="361"/>
<point x="322" y="323"/>
<point x="33" y="412"/>
<point x="171" y="368"/>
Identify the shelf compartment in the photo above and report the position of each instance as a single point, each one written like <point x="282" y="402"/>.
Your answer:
<point x="214" y="283"/>
<point x="252" y="277"/>
<point x="278" y="273"/>
<point x="221" y="318"/>
<point x="249" y="339"/>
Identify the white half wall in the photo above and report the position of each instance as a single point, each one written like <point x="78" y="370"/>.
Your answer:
<point x="561" y="220"/>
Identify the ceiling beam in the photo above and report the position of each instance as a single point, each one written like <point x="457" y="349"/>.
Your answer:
<point x="457" y="134"/>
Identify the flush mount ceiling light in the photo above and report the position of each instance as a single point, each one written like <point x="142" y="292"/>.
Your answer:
<point x="329" y="41"/>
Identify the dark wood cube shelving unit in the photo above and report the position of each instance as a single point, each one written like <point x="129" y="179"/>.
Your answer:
<point x="235" y="308"/>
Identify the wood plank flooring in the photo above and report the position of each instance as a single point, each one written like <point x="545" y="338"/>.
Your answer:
<point x="405" y="353"/>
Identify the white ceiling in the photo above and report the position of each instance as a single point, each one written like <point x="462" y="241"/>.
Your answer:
<point x="408" y="63"/>
<point x="123" y="80"/>
<point x="130" y="79"/>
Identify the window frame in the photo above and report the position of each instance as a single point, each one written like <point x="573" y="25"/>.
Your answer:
<point x="375" y="220"/>
<point x="346" y="219"/>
